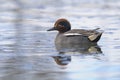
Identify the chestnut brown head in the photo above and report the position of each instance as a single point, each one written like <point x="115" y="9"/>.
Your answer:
<point x="61" y="25"/>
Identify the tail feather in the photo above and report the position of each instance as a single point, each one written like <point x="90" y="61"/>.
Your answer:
<point x="95" y="37"/>
<point x="96" y="29"/>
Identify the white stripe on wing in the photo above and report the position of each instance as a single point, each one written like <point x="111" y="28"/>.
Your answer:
<point x="72" y="34"/>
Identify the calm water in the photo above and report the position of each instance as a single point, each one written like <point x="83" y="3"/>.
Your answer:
<point x="27" y="50"/>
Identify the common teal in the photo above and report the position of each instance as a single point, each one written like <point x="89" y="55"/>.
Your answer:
<point x="75" y="36"/>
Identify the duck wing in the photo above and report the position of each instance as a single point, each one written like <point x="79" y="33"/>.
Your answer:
<point x="91" y="34"/>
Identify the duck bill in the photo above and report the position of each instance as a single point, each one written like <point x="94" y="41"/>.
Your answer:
<point x="51" y="29"/>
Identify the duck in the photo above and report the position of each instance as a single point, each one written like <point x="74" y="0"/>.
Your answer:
<point x="67" y="36"/>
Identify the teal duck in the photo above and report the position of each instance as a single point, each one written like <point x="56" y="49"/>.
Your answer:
<point x="74" y="36"/>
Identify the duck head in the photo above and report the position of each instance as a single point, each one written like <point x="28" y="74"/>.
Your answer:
<point x="61" y="25"/>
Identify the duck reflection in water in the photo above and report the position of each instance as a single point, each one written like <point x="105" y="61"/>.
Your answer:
<point x="79" y="48"/>
<point x="62" y="59"/>
<point x="66" y="51"/>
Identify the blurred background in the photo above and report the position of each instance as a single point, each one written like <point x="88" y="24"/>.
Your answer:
<point x="27" y="49"/>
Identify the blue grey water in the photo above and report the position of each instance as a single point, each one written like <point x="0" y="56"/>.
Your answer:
<point x="27" y="50"/>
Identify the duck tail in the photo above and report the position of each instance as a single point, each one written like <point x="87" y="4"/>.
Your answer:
<point x="95" y="37"/>
<point x="96" y="29"/>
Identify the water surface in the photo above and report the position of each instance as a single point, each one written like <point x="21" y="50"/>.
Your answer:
<point x="28" y="52"/>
